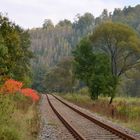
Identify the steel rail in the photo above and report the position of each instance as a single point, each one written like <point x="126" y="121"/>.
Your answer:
<point x="72" y="130"/>
<point x="113" y="130"/>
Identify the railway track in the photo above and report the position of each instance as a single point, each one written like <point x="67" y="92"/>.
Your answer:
<point x="83" y="126"/>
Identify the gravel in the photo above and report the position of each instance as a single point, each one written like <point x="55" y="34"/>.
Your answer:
<point x="51" y="127"/>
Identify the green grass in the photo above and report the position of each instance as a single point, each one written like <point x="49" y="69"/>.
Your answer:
<point x="77" y="98"/>
<point x="126" y="110"/>
<point x="18" y="118"/>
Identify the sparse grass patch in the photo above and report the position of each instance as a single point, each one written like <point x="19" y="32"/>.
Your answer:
<point x="52" y="123"/>
<point x="79" y="99"/>
<point x="134" y="125"/>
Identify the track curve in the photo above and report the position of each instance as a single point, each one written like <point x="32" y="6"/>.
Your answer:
<point x="77" y="129"/>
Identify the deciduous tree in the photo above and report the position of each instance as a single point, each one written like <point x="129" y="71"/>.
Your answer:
<point x="121" y="44"/>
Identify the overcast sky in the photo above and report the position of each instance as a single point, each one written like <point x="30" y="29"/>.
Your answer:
<point x="31" y="13"/>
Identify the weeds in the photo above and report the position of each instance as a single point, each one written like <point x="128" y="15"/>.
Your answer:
<point x="18" y="117"/>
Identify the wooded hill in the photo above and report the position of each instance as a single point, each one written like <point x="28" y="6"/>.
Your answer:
<point x="51" y="43"/>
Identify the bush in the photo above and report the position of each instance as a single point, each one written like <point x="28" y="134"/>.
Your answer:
<point x="16" y="110"/>
<point x="84" y="91"/>
<point x="12" y="86"/>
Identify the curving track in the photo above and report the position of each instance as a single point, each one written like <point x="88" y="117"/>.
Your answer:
<point x="83" y="126"/>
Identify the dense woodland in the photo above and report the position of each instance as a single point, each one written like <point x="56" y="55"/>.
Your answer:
<point x="53" y="43"/>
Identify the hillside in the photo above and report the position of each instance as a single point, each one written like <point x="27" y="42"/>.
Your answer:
<point x="52" y="43"/>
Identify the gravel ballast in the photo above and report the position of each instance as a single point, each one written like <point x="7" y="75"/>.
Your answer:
<point x="51" y="127"/>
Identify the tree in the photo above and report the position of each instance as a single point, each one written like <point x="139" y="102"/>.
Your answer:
<point x="47" y="24"/>
<point x="39" y="73"/>
<point x="50" y="45"/>
<point x="83" y="24"/>
<point x="60" y="77"/>
<point x="64" y="23"/>
<point x="105" y="16"/>
<point x="101" y="81"/>
<point x="22" y="69"/>
<point x="14" y="51"/>
<point x="93" y="69"/>
<point x="121" y="44"/>
<point x="128" y="15"/>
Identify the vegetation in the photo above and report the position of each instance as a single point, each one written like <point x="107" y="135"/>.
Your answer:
<point x="61" y="77"/>
<point x="52" y="44"/>
<point x="125" y="111"/>
<point x="14" y="52"/>
<point x="19" y="119"/>
<point x="18" y="106"/>
<point x="93" y="69"/>
<point x="128" y="15"/>
<point x="115" y="50"/>
<point x="106" y="57"/>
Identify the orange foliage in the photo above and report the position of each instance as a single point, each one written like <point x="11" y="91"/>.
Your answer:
<point x="30" y="93"/>
<point x="11" y="86"/>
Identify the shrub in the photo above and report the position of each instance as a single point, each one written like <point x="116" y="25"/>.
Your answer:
<point x="84" y="91"/>
<point x="30" y="93"/>
<point x="11" y="86"/>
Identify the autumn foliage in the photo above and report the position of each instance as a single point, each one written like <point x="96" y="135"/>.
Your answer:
<point x="30" y="93"/>
<point x="12" y="86"/>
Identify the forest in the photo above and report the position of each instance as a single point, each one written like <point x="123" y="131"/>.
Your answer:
<point x="53" y="46"/>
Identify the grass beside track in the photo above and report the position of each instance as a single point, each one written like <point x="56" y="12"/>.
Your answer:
<point x="125" y="111"/>
<point x="18" y="118"/>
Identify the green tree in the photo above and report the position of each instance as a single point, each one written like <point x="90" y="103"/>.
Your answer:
<point x="14" y="49"/>
<point x="128" y="15"/>
<point x="83" y="24"/>
<point x="101" y="81"/>
<point x="121" y="44"/>
<point x="93" y="69"/>
<point x="47" y="24"/>
<point x="105" y="16"/>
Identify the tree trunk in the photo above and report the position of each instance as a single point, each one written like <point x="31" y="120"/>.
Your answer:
<point x="94" y="96"/>
<point x="111" y="99"/>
